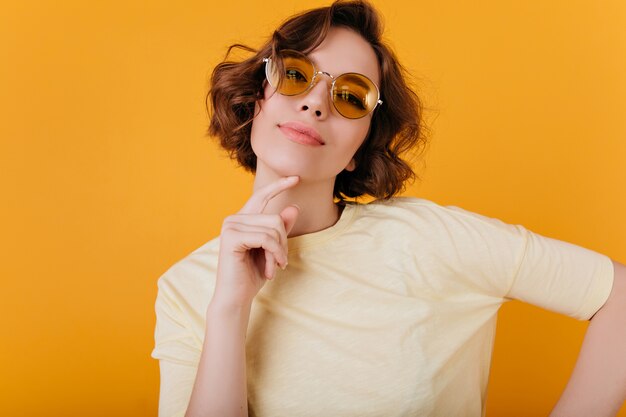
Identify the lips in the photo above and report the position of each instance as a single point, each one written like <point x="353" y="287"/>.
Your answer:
<point x="300" y="132"/>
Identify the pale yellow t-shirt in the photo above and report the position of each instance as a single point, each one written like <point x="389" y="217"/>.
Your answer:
<point x="389" y="312"/>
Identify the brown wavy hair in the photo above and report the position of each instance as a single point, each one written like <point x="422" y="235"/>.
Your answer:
<point x="396" y="127"/>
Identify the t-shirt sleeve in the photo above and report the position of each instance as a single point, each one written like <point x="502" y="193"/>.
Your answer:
<point x="517" y="263"/>
<point x="561" y="277"/>
<point x="177" y="349"/>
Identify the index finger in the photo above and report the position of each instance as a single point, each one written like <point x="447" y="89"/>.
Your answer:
<point x="257" y="202"/>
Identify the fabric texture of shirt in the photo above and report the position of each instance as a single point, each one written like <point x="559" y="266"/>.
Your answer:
<point x="389" y="312"/>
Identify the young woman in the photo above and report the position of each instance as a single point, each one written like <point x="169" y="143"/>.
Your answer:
<point x="311" y="305"/>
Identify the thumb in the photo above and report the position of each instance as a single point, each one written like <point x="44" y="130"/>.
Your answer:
<point x="289" y="216"/>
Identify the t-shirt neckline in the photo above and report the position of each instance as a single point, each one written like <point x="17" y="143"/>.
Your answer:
<point x="315" y="238"/>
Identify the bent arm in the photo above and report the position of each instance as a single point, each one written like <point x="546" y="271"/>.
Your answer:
<point x="220" y="388"/>
<point x="597" y="386"/>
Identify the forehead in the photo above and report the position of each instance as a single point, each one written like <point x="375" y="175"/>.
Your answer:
<point x="344" y="50"/>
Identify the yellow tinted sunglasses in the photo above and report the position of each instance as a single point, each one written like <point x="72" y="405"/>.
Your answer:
<point x="353" y="94"/>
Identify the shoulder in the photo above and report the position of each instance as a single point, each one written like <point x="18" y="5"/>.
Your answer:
<point x="405" y="216"/>
<point x="420" y="208"/>
<point x="184" y="292"/>
<point x="193" y="276"/>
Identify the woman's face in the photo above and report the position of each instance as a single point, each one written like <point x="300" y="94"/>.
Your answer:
<point x="275" y="136"/>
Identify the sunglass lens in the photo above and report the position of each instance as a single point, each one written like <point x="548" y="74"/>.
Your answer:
<point x="295" y="75"/>
<point x="354" y="95"/>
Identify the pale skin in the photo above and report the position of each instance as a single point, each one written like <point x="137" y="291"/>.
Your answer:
<point x="292" y="196"/>
<point x="597" y="386"/>
<point x="253" y="242"/>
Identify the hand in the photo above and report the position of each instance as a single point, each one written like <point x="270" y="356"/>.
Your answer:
<point x="252" y="244"/>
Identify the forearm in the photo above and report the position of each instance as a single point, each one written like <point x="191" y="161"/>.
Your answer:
<point x="220" y="387"/>
<point x="597" y="386"/>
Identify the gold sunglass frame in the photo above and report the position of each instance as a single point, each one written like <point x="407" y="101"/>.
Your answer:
<point x="313" y="81"/>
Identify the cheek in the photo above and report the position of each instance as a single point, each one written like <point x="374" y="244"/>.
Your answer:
<point x="257" y="127"/>
<point x="262" y="110"/>
<point x="358" y="132"/>
<point x="263" y="122"/>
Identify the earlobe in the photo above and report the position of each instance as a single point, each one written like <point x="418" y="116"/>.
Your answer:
<point x="351" y="165"/>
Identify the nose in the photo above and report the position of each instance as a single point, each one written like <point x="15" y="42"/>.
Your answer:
<point x="317" y="100"/>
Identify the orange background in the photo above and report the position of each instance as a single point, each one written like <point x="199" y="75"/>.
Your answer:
<point x="107" y="178"/>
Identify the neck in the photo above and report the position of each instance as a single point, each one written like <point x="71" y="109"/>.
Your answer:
<point x="314" y="197"/>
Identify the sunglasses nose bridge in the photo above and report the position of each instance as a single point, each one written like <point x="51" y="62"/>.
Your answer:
<point x="315" y="79"/>
<point x="329" y="86"/>
<point x="325" y="73"/>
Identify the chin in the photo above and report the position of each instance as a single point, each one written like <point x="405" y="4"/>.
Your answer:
<point x="285" y="165"/>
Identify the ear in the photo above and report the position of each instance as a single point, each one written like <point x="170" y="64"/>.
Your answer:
<point x="351" y="165"/>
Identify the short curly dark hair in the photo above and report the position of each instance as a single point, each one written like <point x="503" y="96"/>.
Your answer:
<point x="396" y="127"/>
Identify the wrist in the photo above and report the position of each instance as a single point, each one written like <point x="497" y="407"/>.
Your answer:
<point x="227" y="307"/>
